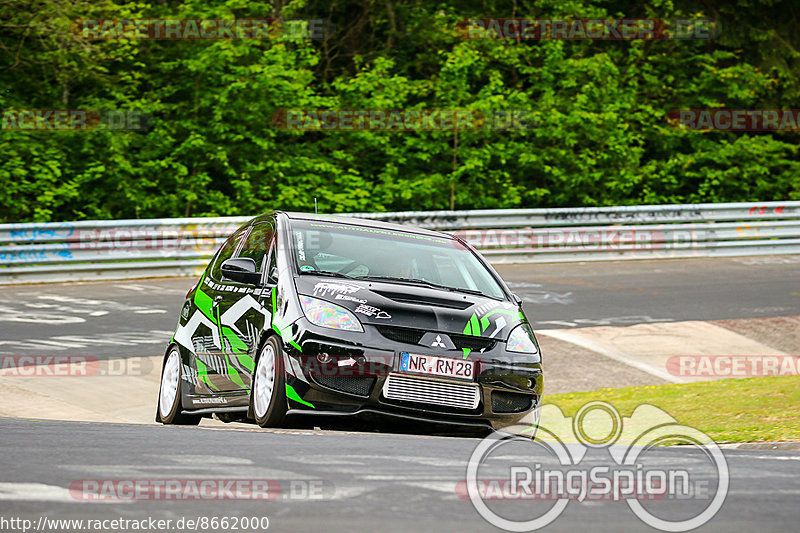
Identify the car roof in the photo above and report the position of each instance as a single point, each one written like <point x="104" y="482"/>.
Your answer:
<point x="365" y="222"/>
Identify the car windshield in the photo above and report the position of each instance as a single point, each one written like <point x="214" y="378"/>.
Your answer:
<point x="325" y="248"/>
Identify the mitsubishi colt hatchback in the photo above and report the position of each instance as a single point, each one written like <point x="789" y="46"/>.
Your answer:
<point x="302" y="315"/>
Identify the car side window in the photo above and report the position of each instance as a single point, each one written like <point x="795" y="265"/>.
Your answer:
<point x="258" y="243"/>
<point x="271" y="265"/>
<point x="227" y="250"/>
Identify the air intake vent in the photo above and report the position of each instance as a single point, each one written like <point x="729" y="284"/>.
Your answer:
<point x="360" y="386"/>
<point x="424" y="300"/>
<point x="406" y="335"/>
<point x="413" y="336"/>
<point x="429" y="391"/>
<point x="511" y="402"/>
<point x="472" y="343"/>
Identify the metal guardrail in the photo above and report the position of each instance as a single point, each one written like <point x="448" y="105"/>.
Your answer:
<point x="122" y="249"/>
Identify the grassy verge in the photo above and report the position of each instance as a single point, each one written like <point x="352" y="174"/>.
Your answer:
<point x="729" y="410"/>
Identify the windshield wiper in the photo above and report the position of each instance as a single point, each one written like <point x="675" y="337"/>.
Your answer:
<point x="328" y="273"/>
<point x="422" y="282"/>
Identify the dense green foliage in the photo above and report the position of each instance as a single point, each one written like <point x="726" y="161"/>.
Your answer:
<point x="600" y="138"/>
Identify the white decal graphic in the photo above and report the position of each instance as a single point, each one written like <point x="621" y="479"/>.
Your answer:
<point x="183" y="334"/>
<point x="217" y="400"/>
<point x="350" y="298"/>
<point x="372" y="311"/>
<point x="500" y="323"/>
<point x="238" y="309"/>
<point x="301" y="253"/>
<point x="231" y="288"/>
<point x="325" y="288"/>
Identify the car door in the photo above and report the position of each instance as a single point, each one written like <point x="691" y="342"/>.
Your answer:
<point x="238" y="310"/>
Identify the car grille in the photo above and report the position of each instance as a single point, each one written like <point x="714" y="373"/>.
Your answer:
<point x="413" y="336"/>
<point x="360" y="386"/>
<point x="472" y="343"/>
<point x="511" y="402"/>
<point x="429" y="391"/>
<point x="406" y="335"/>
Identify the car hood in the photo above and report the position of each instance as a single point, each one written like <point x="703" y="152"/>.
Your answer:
<point x="390" y="304"/>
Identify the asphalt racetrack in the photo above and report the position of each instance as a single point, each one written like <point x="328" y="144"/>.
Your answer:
<point x="63" y="438"/>
<point x="343" y="482"/>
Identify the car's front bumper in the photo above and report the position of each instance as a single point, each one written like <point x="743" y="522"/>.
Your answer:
<point x="339" y="373"/>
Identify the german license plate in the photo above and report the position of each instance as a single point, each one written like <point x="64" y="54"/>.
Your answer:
<point x="436" y="366"/>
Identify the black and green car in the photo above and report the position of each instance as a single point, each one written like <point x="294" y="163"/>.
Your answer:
<point x="301" y="315"/>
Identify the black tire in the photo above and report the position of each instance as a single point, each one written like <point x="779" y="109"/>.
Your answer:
<point x="170" y="391"/>
<point x="268" y="396"/>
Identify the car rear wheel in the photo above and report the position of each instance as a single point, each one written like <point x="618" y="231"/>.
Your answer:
<point x="169" y="395"/>
<point x="268" y="399"/>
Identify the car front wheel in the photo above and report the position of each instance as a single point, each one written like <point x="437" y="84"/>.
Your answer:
<point x="268" y="398"/>
<point x="169" y="395"/>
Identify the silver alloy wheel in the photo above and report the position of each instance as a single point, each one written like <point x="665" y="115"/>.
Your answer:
<point x="169" y="383"/>
<point x="264" y="381"/>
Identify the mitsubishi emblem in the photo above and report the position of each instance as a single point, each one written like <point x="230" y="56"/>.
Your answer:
<point x="438" y="342"/>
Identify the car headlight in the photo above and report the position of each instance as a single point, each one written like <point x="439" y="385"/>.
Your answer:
<point x="329" y="315"/>
<point x="521" y="340"/>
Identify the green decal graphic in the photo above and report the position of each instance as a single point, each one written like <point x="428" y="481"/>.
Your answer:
<point x="234" y="374"/>
<point x="466" y="352"/>
<point x="283" y="329"/>
<point x="473" y="327"/>
<point x="247" y="362"/>
<point x="236" y="344"/>
<point x="479" y="324"/>
<point x="292" y="395"/>
<point x="204" y="304"/>
<point x="202" y="374"/>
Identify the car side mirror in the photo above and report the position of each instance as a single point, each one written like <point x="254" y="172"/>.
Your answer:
<point x="517" y="298"/>
<point x="241" y="269"/>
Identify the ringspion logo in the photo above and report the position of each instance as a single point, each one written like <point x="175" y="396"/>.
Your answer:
<point x="597" y="455"/>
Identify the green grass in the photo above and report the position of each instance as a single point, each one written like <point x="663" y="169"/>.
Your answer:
<point x="729" y="410"/>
